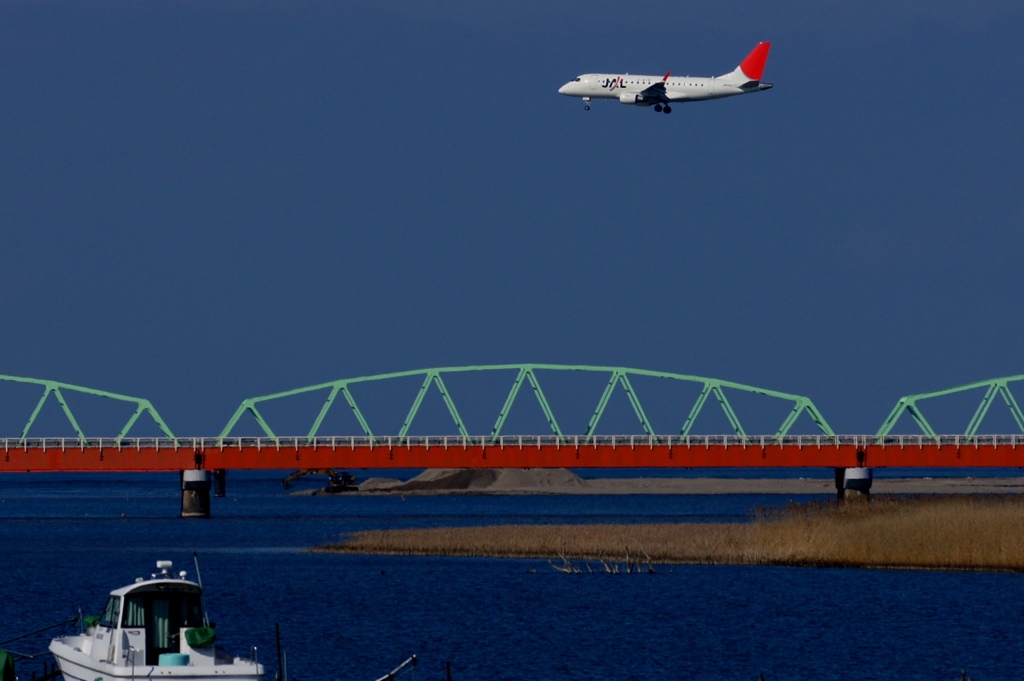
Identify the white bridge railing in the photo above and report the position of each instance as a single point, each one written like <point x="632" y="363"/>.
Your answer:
<point x="515" y="441"/>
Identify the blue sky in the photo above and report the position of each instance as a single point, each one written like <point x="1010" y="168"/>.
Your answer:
<point x="206" y="201"/>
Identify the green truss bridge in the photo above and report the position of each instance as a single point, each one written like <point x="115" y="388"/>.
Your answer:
<point x="343" y="394"/>
<point x="566" y="438"/>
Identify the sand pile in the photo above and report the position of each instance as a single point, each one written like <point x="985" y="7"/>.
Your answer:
<point x="481" y="480"/>
<point x="562" y="481"/>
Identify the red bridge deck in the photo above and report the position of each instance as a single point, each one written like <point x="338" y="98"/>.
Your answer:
<point x="623" y="451"/>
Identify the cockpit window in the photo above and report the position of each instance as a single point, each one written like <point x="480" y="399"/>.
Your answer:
<point x="149" y="609"/>
<point x="576" y="80"/>
<point x="111" y="612"/>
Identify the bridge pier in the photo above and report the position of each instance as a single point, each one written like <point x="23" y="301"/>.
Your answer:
<point x="853" y="483"/>
<point x="195" y="494"/>
<point x="220" y="482"/>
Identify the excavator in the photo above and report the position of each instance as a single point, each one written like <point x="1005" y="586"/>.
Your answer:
<point x="336" y="482"/>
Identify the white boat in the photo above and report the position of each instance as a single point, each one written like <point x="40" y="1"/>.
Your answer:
<point x="154" y="628"/>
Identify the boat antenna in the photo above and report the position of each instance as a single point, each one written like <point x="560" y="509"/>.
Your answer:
<point x="195" y="559"/>
<point x="199" y="580"/>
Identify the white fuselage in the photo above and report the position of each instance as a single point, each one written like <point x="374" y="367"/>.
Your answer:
<point x="663" y="91"/>
<point x="615" y="86"/>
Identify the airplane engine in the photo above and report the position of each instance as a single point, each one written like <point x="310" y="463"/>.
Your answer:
<point x="631" y="98"/>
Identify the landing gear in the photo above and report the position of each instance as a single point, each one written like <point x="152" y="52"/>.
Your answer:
<point x="657" y="107"/>
<point x="586" y="103"/>
<point x="668" y="109"/>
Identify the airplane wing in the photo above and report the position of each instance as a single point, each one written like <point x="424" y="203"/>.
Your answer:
<point x="656" y="92"/>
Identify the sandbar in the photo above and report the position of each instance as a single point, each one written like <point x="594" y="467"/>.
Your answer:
<point x="563" y="481"/>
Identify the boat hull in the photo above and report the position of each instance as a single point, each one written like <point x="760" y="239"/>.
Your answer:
<point x="76" y="665"/>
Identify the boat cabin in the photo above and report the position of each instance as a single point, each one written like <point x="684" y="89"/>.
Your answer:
<point x="148" y="619"/>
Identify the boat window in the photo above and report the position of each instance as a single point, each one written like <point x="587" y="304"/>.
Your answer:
<point x="161" y="631"/>
<point x="111" y="612"/>
<point x="191" y="611"/>
<point x="186" y="610"/>
<point x="134" y="613"/>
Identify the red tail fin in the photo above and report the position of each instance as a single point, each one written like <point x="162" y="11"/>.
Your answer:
<point x="753" y="65"/>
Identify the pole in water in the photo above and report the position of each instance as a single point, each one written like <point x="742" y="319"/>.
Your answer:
<point x="280" y="666"/>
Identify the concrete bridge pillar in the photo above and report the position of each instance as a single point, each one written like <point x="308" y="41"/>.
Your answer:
<point x="853" y="483"/>
<point x="195" y="494"/>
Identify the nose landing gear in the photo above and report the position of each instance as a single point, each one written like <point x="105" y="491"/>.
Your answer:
<point x="586" y="103"/>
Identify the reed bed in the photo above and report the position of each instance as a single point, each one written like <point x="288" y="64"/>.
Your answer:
<point x="956" y="532"/>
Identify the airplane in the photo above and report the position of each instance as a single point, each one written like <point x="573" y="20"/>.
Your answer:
<point x="662" y="91"/>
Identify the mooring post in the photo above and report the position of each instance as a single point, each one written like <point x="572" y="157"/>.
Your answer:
<point x="853" y="483"/>
<point x="195" y="493"/>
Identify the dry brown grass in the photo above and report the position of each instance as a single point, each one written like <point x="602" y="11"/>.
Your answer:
<point x="955" y="532"/>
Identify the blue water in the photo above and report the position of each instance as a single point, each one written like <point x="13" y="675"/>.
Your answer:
<point x="68" y="540"/>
